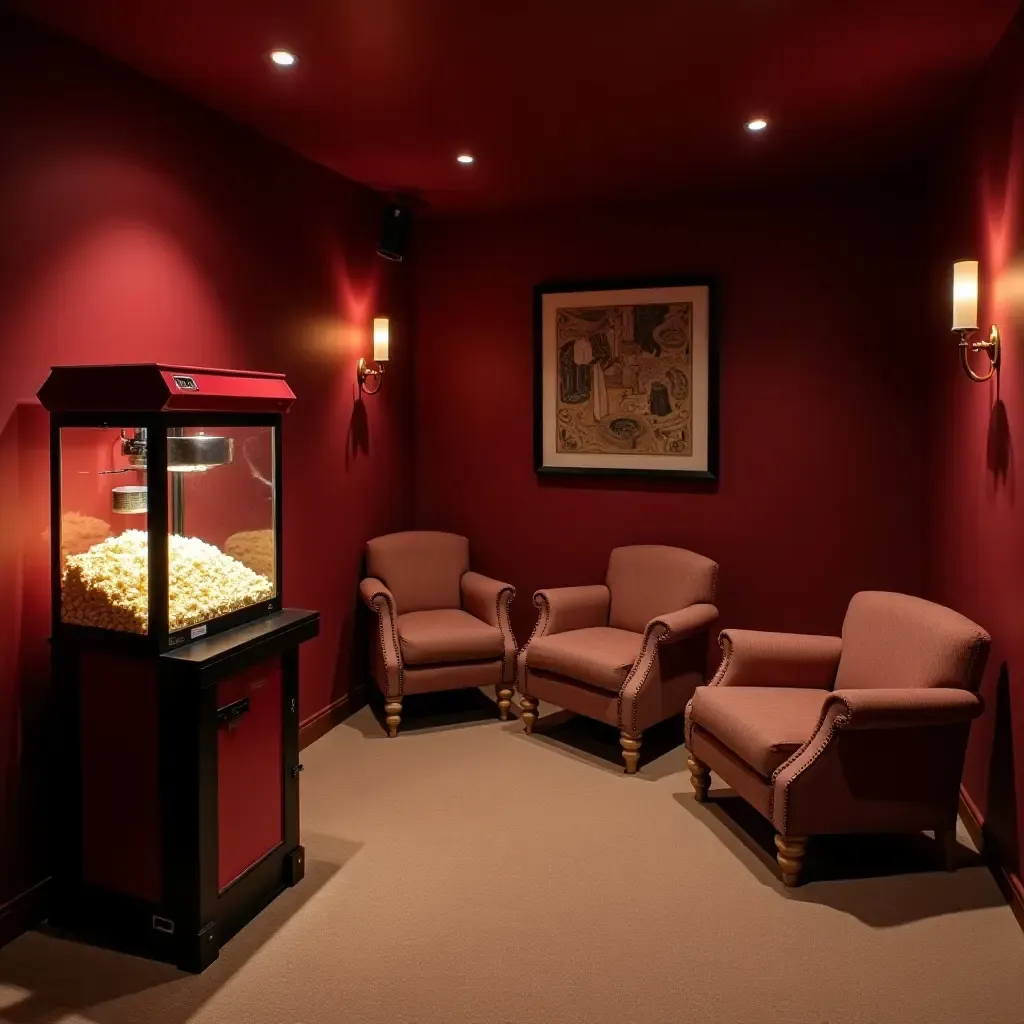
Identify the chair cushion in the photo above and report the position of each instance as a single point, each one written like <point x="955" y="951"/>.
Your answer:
<point x="599" y="655"/>
<point x="763" y="725"/>
<point x="447" y="634"/>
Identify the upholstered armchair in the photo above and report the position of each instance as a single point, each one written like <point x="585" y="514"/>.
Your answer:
<point x="439" y="626"/>
<point x="864" y="733"/>
<point x="629" y="652"/>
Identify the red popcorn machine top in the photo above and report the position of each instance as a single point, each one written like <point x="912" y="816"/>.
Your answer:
<point x="175" y="663"/>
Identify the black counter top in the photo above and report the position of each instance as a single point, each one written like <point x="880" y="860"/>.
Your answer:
<point x="251" y="641"/>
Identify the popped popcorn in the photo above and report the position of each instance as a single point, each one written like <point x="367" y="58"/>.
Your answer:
<point x="107" y="586"/>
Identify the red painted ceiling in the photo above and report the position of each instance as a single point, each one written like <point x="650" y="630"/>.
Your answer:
<point x="564" y="100"/>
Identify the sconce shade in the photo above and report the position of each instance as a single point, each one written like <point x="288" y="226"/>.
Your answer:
<point x="965" y="295"/>
<point x="381" y="338"/>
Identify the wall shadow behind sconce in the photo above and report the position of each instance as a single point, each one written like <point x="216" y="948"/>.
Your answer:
<point x="965" y="321"/>
<point x="381" y="343"/>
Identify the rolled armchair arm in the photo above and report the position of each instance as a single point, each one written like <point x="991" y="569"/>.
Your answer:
<point x="483" y="597"/>
<point x="903" y="707"/>
<point x="655" y="679"/>
<point x="379" y="599"/>
<point x="908" y="728"/>
<point x="681" y="624"/>
<point x="751" y="658"/>
<point x="566" y="608"/>
<point x="489" y="601"/>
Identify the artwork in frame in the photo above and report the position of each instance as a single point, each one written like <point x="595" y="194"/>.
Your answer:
<point x="626" y="378"/>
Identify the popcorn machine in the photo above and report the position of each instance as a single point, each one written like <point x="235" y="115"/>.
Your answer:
<point x="175" y="665"/>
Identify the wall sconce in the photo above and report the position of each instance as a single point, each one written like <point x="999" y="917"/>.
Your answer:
<point x="965" y="320"/>
<point x="381" y="339"/>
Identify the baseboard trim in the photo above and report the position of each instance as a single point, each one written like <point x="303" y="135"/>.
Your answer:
<point x="25" y="911"/>
<point x="334" y="714"/>
<point x="1009" y="881"/>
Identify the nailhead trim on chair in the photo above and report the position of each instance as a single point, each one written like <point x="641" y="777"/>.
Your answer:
<point x="394" y="639"/>
<point x="538" y="631"/>
<point x="542" y="620"/>
<point x="727" y="648"/>
<point x="649" y="641"/>
<point x="838" y="721"/>
<point x="505" y="625"/>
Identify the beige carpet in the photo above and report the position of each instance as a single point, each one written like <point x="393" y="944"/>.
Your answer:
<point x="469" y="873"/>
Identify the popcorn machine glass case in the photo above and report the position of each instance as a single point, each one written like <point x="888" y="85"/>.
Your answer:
<point x="176" y="670"/>
<point x="167" y="500"/>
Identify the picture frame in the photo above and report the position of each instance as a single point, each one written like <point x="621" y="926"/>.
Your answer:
<point x="626" y="378"/>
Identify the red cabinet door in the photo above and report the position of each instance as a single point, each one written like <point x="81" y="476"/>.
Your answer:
<point x="250" y="772"/>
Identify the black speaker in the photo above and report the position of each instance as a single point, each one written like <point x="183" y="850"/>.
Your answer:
<point x="394" y="232"/>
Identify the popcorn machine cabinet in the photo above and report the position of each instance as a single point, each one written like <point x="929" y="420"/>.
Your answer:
<point x="175" y="665"/>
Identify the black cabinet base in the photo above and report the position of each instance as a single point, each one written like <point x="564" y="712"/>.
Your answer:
<point x="295" y="866"/>
<point x="208" y="737"/>
<point x="127" y="925"/>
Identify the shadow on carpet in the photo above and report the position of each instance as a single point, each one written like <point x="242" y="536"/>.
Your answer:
<point x="448" y="709"/>
<point x="597" y="743"/>
<point x="56" y="977"/>
<point x="883" y="880"/>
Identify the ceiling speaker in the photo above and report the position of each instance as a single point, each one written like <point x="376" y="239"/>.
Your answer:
<point x="394" y="232"/>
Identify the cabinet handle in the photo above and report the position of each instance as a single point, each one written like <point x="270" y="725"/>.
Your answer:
<point x="231" y="713"/>
<point x="296" y="770"/>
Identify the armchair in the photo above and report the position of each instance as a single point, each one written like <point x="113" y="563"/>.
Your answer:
<point x="864" y="733"/>
<point x="629" y="652"/>
<point x="439" y="625"/>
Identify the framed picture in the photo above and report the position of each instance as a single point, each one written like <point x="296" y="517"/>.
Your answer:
<point x="626" y="378"/>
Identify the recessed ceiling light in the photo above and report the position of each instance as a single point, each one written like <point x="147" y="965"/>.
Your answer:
<point x="283" y="58"/>
<point x="464" y="158"/>
<point x="757" y="125"/>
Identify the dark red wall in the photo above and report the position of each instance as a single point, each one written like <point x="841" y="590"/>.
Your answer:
<point x="137" y="225"/>
<point x="976" y="432"/>
<point x="821" y="434"/>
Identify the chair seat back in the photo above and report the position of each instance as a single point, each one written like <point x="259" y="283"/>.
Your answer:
<point x="422" y="568"/>
<point x="894" y="640"/>
<point x="647" y="580"/>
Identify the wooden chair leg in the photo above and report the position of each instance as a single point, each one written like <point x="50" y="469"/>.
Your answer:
<point x="528" y="712"/>
<point x="946" y="838"/>
<point x="393" y="712"/>
<point x="791" y="853"/>
<point x="630" y="750"/>
<point x="700" y="778"/>
<point x="504" y="701"/>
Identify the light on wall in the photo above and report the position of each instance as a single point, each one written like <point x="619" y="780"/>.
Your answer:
<point x="381" y="341"/>
<point x="965" y="320"/>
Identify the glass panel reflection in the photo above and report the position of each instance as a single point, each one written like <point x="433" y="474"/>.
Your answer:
<point x="104" y="579"/>
<point x="222" y="548"/>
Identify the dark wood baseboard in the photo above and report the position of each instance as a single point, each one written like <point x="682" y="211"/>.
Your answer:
<point x="1009" y="881"/>
<point x="334" y="714"/>
<point x="25" y="911"/>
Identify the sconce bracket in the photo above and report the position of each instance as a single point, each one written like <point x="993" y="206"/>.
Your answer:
<point x="992" y="348"/>
<point x="366" y="373"/>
